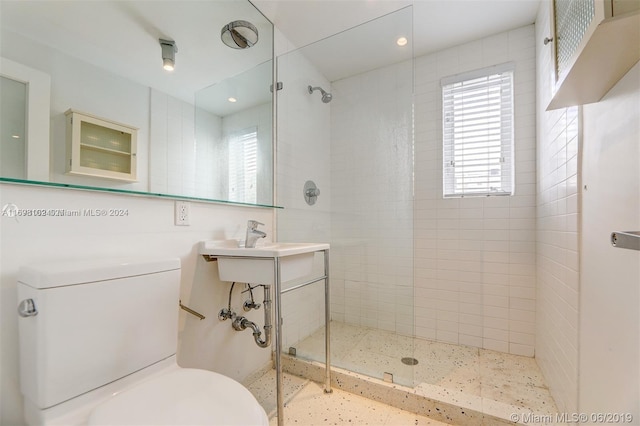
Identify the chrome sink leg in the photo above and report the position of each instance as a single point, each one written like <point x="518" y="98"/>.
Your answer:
<point x="278" y="340"/>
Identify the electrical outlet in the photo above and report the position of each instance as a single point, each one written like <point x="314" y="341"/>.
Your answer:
<point x="183" y="213"/>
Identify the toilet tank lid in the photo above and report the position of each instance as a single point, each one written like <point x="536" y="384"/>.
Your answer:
<point x="57" y="274"/>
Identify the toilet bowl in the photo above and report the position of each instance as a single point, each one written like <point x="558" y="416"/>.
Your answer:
<point x="97" y="346"/>
<point x="185" y="396"/>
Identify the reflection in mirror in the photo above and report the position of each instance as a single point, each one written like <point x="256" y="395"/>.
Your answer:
<point x="13" y="128"/>
<point x="233" y="131"/>
<point x="24" y="126"/>
<point x="117" y="76"/>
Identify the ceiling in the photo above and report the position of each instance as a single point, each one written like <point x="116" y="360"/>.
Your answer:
<point x="122" y="36"/>
<point x="437" y="24"/>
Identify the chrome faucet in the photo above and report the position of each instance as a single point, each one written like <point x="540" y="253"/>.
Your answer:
<point x="253" y="233"/>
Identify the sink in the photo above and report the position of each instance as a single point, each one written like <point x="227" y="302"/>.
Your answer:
<point x="255" y="265"/>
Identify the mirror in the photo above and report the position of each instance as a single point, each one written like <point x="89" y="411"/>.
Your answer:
<point x="105" y="59"/>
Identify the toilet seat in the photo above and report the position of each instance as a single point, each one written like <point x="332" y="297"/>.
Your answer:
<point x="185" y="396"/>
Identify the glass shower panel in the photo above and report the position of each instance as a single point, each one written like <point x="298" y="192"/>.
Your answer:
<point x="358" y="148"/>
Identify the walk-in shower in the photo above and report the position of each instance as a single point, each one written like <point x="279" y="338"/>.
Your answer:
<point x="429" y="293"/>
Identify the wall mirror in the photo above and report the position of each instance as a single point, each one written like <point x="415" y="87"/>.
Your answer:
<point x="204" y="129"/>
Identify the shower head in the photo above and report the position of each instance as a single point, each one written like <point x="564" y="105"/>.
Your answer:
<point x="326" y="96"/>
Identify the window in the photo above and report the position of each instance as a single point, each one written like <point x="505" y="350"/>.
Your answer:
<point x="477" y="127"/>
<point x="243" y="166"/>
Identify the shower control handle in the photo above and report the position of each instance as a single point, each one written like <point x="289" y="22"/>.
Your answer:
<point x="27" y="308"/>
<point x="310" y="192"/>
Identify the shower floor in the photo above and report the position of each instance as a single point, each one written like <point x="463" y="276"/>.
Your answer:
<point x="480" y="379"/>
<point x="307" y="404"/>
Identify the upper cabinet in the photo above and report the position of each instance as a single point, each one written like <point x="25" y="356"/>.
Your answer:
<point x="100" y="148"/>
<point x="595" y="42"/>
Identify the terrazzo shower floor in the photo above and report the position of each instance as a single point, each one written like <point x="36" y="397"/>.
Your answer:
<point x="307" y="404"/>
<point x="494" y="384"/>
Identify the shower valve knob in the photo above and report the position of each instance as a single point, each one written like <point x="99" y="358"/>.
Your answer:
<point x="310" y="192"/>
<point x="313" y="192"/>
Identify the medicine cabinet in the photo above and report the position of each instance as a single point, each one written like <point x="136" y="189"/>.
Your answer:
<point x="595" y="42"/>
<point x="100" y="148"/>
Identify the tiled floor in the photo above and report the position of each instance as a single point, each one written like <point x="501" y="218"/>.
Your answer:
<point x="307" y="404"/>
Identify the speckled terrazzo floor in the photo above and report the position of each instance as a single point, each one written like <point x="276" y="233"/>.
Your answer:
<point x="307" y="404"/>
<point x="485" y="380"/>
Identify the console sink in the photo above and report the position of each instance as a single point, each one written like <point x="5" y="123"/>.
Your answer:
<point x="256" y="265"/>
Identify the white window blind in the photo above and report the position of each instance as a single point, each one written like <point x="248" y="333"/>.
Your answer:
<point x="243" y="166"/>
<point x="477" y="113"/>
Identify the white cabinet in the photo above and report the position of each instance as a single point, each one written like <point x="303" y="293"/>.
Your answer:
<point x="100" y="148"/>
<point x="595" y="42"/>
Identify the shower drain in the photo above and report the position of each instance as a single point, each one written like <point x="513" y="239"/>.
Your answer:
<point x="409" y="361"/>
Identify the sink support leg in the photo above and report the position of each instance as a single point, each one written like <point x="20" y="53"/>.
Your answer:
<point x="278" y="340"/>
<point x="327" y="325"/>
<point x="278" y="330"/>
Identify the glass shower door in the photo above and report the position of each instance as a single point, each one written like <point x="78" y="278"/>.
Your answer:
<point x="358" y="149"/>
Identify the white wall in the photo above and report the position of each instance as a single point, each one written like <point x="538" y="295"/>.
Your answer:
<point x="209" y="154"/>
<point x="610" y="277"/>
<point x="475" y="256"/>
<point x="172" y="155"/>
<point x="558" y="217"/>
<point x="147" y="230"/>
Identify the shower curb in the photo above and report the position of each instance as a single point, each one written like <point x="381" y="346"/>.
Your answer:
<point x="429" y="400"/>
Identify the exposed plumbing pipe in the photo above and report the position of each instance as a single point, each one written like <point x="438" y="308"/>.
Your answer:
<point x="241" y="323"/>
<point x="225" y="314"/>
<point x="250" y="304"/>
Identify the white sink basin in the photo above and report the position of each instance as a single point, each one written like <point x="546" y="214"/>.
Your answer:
<point x="256" y="265"/>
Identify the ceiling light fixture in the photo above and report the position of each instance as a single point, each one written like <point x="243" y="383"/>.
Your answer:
<point x="169" y="50"/>
<point x="402" y="41"/>
<point x="232" y="99"/>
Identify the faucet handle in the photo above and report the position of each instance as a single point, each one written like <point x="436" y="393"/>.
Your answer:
<point x="253" y="224"/>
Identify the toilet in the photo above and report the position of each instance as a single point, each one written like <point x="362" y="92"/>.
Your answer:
<point x="98" y="346"/>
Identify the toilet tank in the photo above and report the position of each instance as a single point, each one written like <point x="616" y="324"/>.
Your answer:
<point x="96" y="322"/>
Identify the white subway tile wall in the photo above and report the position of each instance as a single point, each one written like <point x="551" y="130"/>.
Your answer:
<point x="558" y="209"/>
<point x="475" y="256"/>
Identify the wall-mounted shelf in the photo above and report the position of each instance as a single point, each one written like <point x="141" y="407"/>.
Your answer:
<point x="100" y="148"/>
<point x="609" y="49"/>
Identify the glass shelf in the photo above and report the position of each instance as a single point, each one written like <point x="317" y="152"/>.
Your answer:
<point x="129" y="192"/>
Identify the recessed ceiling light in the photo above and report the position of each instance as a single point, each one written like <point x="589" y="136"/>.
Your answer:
<point x="232" y="99"/>
<point x="15" y="136"/>
<point x="402" y="41"/>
